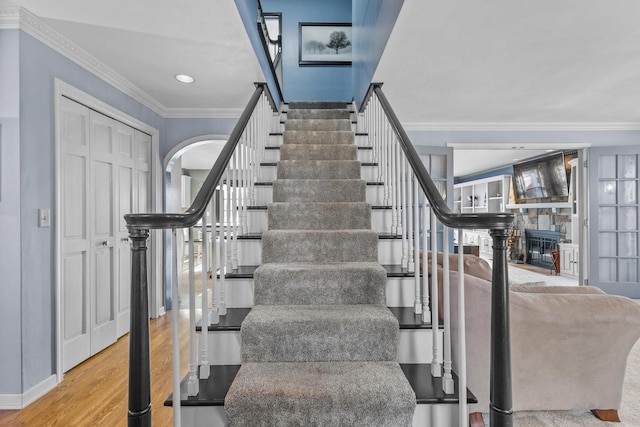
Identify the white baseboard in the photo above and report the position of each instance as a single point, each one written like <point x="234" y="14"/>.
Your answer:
<point x="20" y="401"/>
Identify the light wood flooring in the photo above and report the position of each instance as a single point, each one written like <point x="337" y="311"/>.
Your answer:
<point x="95" y="393"/>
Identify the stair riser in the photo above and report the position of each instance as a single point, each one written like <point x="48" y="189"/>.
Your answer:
<point x="339" y="246"/>
<point x="334" y="191"/>
<point x="318" y="137"/>
<point x="380" y="220"/>
<point x="389" y="252"/>
<point x="294" y="285"/>
<point x="316" y="114"/>
<point x="414" y="346"/>
<point x="368" y="173"/>
<point x="324" y="124"/>
<point x="318" y="216"/>
<point x="374" y="195"/>
<point x="318" y="152"/>
<point x="400" y="292"/>
<point x="318" y="169"/>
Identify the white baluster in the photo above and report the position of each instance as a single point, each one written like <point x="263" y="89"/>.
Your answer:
<point x="222" y="303"/>
<point x="204" y="322"/>
<point x="193" y="385"/>
<point x="410" y="232"/>
<point x="447" y="379"/>
<point x="215" y="316"/>
<point x="426" y="311"/>
<point x="417" y="305"/>
<point x="384" y="162"/>
<point x="398" y="159"/>
<point x="234" y="213"/>
<point x="393" y="183"/>
<point x="175" y="329"/>
<point x="436" y="365"/>
<point x="229" y="178"/>
<point x="405" y="228"/>
<point x="463" y="414"/>
<point x="243" y="185"/>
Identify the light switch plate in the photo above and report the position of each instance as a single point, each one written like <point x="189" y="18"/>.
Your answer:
<point x="44" y="218"/>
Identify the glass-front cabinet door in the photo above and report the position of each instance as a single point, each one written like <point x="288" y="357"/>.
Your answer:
<point x="614" y="211"/>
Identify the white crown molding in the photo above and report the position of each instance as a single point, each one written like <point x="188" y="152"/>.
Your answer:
<point x="9" y="16"/>
<point x="523" y="126"/>
<point x="203" y="113"/>
<point x="17" y="17"/>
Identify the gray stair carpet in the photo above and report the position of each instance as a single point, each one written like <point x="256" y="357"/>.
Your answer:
<point x="319" y="347"/>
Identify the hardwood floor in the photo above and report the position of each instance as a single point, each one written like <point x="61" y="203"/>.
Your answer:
<point x="95" y="393"/>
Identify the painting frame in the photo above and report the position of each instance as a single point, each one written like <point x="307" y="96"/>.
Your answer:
<point x="320" y="32"/>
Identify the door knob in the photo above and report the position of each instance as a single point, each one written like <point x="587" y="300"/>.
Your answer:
<point x="105" y="243"/>
<point x="125" y="239"/>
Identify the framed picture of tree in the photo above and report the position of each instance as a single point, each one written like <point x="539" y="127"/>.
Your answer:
<point x="322" y="43"/>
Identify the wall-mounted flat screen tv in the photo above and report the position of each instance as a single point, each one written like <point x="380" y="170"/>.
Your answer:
<point x="541" y="178"/>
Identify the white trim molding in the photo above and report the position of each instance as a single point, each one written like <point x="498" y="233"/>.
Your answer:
<point x="9" y="16"/>
<point x="521" y="126"/>
<point x="21" y="401"/>
<point x="203" y="113"/>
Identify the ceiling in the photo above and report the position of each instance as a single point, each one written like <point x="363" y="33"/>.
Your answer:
<point x="478" y="65"/>
<point x="148" y="42"/>
<point x="514" y="62"/>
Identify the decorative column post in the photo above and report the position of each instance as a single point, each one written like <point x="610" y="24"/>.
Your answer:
<point x="501" y="407"/>
<point x="139" y="361"/>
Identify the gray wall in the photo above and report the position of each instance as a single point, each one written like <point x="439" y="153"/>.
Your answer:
<point x="27" y="303"/>
<point x="10" y="282"/>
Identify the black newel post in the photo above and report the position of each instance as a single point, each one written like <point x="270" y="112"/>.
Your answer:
<point x="139" y="361"/>
<point x="501" y="408"/>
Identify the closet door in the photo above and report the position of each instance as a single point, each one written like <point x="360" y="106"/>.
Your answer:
<point x="102" y="196"/>
<point x="75" y="236"/>
<point x="126" y="199"/>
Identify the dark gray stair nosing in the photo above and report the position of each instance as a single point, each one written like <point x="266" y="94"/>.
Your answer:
<point x="232" y="321"/>
<point x="428" y="389"/>
<point x="246" y="272"/>
<point x="265" y="207"/>
<point x="277" y="147"/>
<point x="258" y="235"/>
<point x="270" y="183"/>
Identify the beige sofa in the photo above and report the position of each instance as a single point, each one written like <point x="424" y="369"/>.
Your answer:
<point x="569" y="345"/>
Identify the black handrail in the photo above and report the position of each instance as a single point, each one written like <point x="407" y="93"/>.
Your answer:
<point x="139" y="413"/>
<point x="501" y="406"/>
<point x="192" y="215"/>
<point x="483" y="220"/>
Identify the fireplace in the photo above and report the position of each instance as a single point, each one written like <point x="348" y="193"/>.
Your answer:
<point x="539" y="246"/>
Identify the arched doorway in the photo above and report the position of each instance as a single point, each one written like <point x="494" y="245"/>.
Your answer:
<point x="185" y="168"/>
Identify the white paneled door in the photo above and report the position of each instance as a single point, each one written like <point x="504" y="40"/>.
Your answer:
<point x="103" y="179"/>
<point x="614" y="204"/>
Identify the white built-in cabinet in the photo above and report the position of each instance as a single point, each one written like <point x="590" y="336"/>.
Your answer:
<point x="482" y="195"/>
<point x="105" y="174"/>
<point x="569" y="260"/>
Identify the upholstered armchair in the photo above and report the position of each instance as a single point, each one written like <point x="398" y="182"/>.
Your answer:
<point x="569" y="345"/>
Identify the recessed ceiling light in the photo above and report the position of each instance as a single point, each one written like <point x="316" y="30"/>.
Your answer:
<point x="184" y="78"/>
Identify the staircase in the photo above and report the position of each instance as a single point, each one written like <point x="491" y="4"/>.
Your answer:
<point x="319" y="347"/>
<point x="316" y="315"/>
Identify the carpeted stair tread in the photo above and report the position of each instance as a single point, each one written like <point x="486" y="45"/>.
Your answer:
<point x="316" y="333"/>
<point x="317" y="190"/>
<point x="318" y="216"/>
<point x="318" y="152"/>
<point x="318" y="124"/>
<point x="372" y="394"/>
<point x="318" y="137"/>
<point x="333" y="105"/>
<point x="319" y="246"/>
<point x="312" y="283"/>
<point x="318" y="113"/>
<point x="318" y="169"/>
